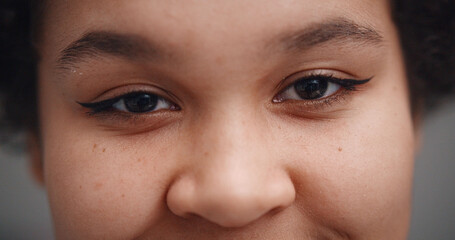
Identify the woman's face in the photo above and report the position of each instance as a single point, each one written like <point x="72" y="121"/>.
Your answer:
<point x="225" y="119"/>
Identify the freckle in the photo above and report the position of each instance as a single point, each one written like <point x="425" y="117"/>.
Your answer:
<point x="98" y="186"/>
<point x="206" y="154"/>
<point x="94" y="146"/>
<point x="139" y="160"/>
<point x="219" y="60"/>
<point x="104" y="149"/>
<point x="123" y="195"/>
<point x="80" y="186"/>
<point x="340" y="149"/>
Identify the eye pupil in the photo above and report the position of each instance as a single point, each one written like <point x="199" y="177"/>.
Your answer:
<point x="141" y="102"/>
<point x="311" y="89"/>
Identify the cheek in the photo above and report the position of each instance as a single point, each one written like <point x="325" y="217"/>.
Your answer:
<point x="356" y="172"/>
<point x="95" y="184"/>
<point x="94" y="178"/>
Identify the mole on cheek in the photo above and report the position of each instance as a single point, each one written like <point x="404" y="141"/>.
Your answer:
<point x="340" y="149"/>
<point x="94" y="147"/>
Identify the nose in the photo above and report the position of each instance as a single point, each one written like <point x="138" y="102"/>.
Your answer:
<point x="230" y="198"/>
<point x="232" y="180"/>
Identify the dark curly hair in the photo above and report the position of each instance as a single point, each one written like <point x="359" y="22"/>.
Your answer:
<point x="426" y="29"/>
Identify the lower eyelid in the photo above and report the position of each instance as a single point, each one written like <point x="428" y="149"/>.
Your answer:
<point x="123" y="123"/>
<point x="331" y="103"/>
<point x="308" y="108"/>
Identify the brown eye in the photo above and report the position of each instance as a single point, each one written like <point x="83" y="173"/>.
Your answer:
<point x="138" y="103"/>
<point x="311" y="88"/>
<point x="142" y="102"/>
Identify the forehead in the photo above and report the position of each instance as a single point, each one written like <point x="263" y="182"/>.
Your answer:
<point x="208" y="24"/>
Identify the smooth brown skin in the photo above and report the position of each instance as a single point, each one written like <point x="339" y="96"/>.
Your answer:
<point x="231" y="164"/>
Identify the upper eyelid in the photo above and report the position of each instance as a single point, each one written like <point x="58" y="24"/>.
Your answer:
<point x="291" y="78"/>
<point x="347" y="82"/>
<point x="103" y="104"/>
<point x="344" y="82"/>
<point x="139" y="86"/>
<point x="166" y="96"/>
<point x="117" y="98"/>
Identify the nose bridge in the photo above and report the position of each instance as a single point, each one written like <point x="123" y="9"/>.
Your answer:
<point x="231" y="139"/>
<point x="233" y="179"/>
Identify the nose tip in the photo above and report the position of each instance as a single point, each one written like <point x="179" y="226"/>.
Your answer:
<point x="229" y="204"/>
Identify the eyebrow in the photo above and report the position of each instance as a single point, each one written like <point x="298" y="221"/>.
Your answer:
<point x="101" y="43"/>
<point x="133" y="47"/>
<point x="341" y="30"/>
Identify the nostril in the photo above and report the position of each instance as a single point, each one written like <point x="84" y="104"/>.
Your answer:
<point x="224" y="210"/>
<point x="276" y="210"/>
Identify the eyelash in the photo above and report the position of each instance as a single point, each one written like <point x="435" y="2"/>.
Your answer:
<point x="347" y="86"/>
<point x="107" y="107"/>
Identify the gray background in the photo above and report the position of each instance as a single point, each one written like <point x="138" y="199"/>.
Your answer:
<point x="24" y="213"/>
